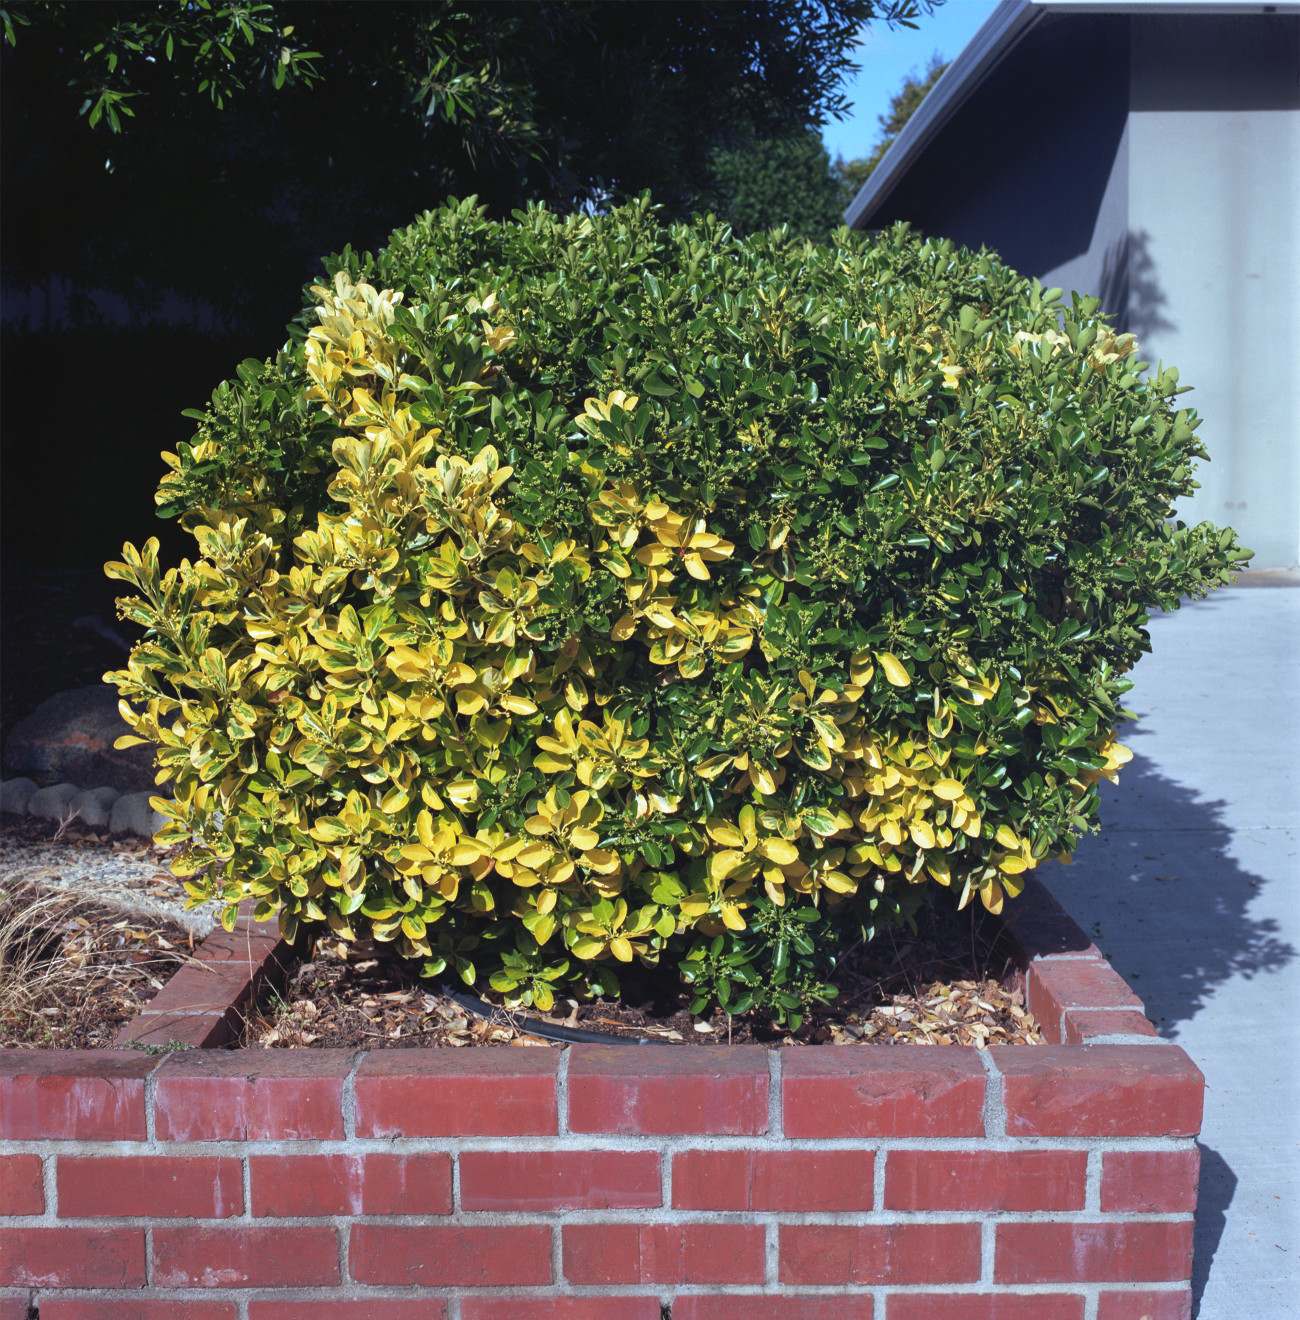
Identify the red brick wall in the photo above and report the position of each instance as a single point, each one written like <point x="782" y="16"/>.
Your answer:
<point x="615" y="1183"/>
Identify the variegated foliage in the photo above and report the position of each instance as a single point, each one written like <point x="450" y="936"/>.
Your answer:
<point x="650" y="577"/>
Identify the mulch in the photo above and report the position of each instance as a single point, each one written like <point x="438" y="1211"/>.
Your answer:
<point x="949" y="984"/>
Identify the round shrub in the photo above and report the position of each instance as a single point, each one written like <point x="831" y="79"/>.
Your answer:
<point x="579" y="590"/>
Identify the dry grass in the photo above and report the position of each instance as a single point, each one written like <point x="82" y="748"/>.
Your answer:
<point x="71" y="972"/>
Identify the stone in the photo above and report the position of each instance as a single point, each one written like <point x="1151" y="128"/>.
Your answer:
<point x="70" y="737"/>
<point x="92" y="805"/>
<point x="132" y="814"/>
<point x="15" y="795"/>
<point x="52" y="803"/>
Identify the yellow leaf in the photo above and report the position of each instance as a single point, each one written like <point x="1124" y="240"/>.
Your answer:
<point x="922" y="834"/>
<point x="1006" y="837"/>
<point x="731" y="917"/>
<point x="991" y="896"/>
<point x="861" y="667"/>
<point x="621" y="949"/>
<point x="727" y="835"/>
<point x="894" y="670"/>
<point x="948" y="789"/>
<point x="781" y="851"/>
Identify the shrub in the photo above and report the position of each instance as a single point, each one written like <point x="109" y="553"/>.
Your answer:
<point x="579" y="590"/>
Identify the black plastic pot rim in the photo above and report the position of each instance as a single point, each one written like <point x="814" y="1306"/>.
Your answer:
<point x="536" y="1027"/>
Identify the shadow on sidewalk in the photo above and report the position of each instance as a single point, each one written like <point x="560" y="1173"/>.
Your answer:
<point x="1161" y="894"/>
<point x="1218" y="1184"/>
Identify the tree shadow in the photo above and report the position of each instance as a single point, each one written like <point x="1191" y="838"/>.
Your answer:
<point x="1160" y="892"/>
<point x="1217" y="1187"/>
<point x="1129" y="289"/>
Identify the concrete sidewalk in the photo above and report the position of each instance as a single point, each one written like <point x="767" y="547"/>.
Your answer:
<point x="1193" y="890"/>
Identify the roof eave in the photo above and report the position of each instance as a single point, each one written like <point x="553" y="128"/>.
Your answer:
<point x="1003" y="28"/>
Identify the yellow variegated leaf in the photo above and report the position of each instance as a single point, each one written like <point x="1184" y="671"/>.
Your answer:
<point x="731" y="917"/>
<point x="948" y="789"/>
<point x="991" y="896"/>
<point x="781" y="851"/>
<point x="921" y="832"/>
<point x="894" y="670"/>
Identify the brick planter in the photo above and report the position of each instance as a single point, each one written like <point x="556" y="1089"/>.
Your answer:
<point x="613" y="1182"/>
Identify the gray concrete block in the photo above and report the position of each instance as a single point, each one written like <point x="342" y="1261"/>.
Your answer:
<point x="92" y="805"/>
<point x="132" y="814"/>
<point x="52" y="803"/>
<point x="15" y="794"/>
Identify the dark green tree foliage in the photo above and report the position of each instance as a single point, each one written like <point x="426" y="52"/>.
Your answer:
<point x="781" y="181"/>
<point x="625" y="590"/>
<point x="852" y="174"/>
<point x="220" y="186"/>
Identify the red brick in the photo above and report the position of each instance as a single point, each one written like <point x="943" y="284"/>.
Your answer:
<point x="560" y="1308"/>
<point x="1041" y="927"/>
<point x="985" y="1180"/>
<point x="245" y="1257"/>
<point x="457" y="1093"/>
<point x="351" y="1184"/>
<point x="1100" y="1091"/>
<point x="203" y="1031"/>
<point x="72" y="1257"/>
<point x="1150" y="1180"/>
<point x="160" y="1186"/>
<point x="664" y="1253"/>
<point x="14" y="1308"/>
<point x="799" y="1180"/>
<point x="984" y="1306"/>
<point x="868" y="1092"/>
<point x="233" y="964"/>
<point x="133" y="1308"/>
<point x="73" y="1095"/>
<point x="560" y="1180"/>
<point x="22" y="1191"/>
<point x="880" y="1253"/>
<point x="377" y="1308"/>
<point x="267" y="1095"/>
<point x="1173" y="1305"/>
<point x="451" y="1257"/>
<point x="1093" y="1253"/>
<point x="632" y="1089"/>
<point x="789" y="1306"/>
<point x="1084" y="1024"/>
<point x="1054" y="985"/>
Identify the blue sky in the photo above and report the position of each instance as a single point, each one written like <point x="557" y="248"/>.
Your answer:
<point x="887" y="56"/>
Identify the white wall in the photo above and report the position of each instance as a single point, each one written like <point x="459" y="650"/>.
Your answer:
<point x="1214" y="198"/>
<point x="1217" y="194"/>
